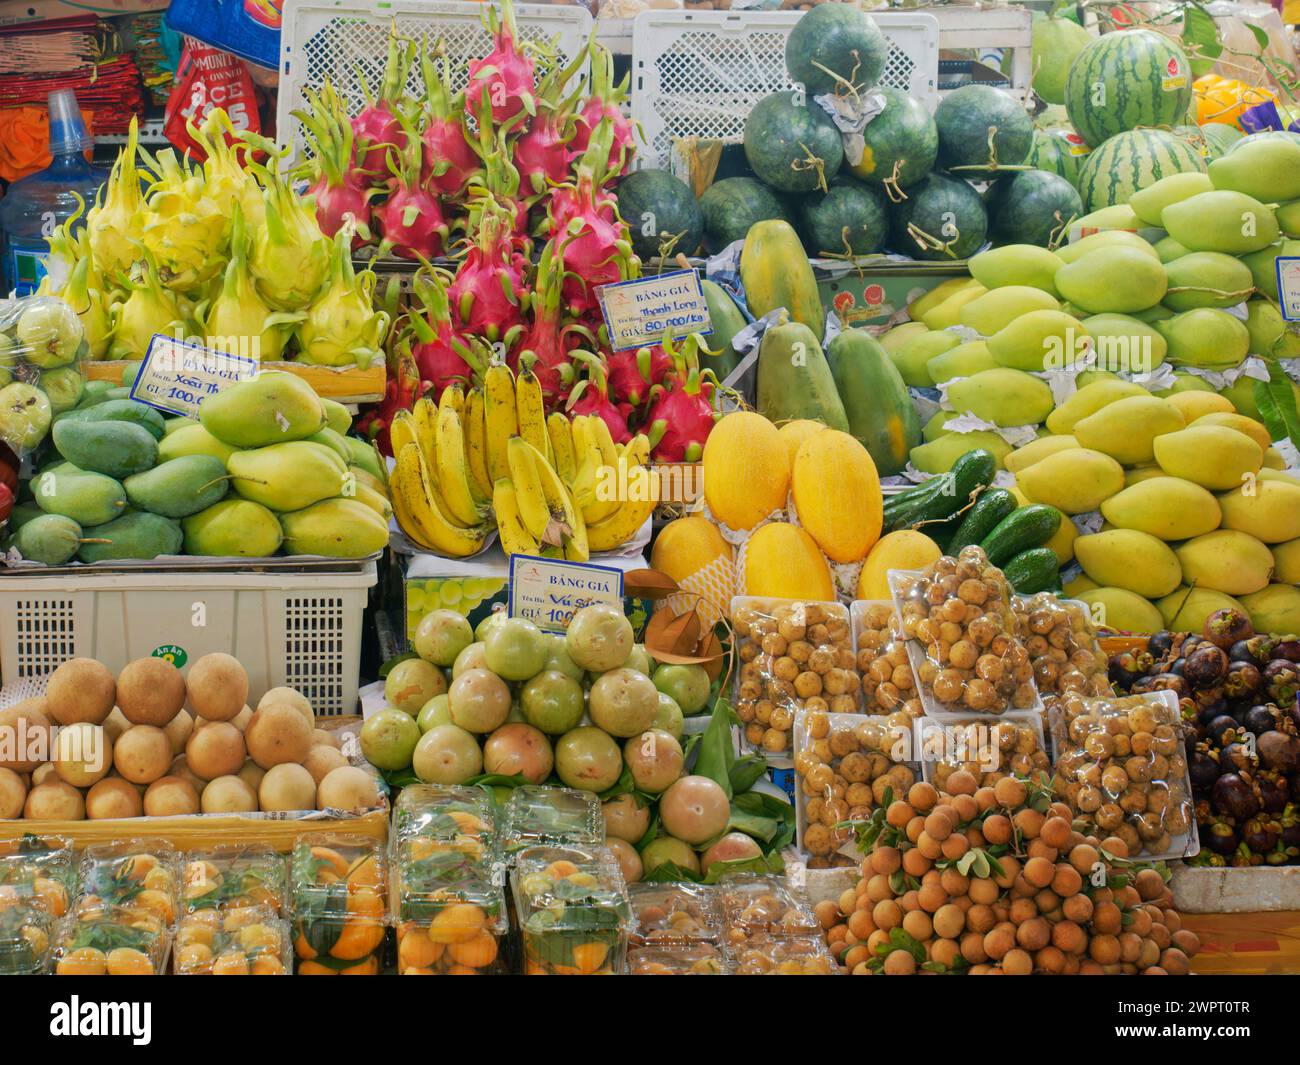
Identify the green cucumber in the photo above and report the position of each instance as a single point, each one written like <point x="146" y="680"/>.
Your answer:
<point x="1020" y="530"/>
<point x="991" y="507"/>
<point x="939" y="498"/>
<point x="1034" y="570"/>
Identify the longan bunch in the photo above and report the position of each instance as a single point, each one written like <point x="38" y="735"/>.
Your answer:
<point x="1053" y="900"/>
<point x="888" y="684"/>
<point x="844" y="771"/>
<point x="958" y="610"/>
<point x="793" y="656"/>
<point x="1062" y="646"/>
<point x="1012" y="746"/>
<point x="1122" y="766"/>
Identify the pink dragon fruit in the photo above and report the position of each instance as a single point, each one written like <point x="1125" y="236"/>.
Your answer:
<point x="545" y="347"/>
<point x="489" y="293"/>
<point x="505" y="77"/>
<point x="681" y="413"/>
<point x="591" y="396"/>
<point x="498" y="179"/>
<point x="602" y="106"/>
<point x="449" y="157"/>
<point x="339" y="189"/>
<point x="410" y="220"/>
<point x="377" y="128"/>
<point x="633" y="372"/>
<point x="542" y="153"/>
<point x="434" y="341"/>
<point x="400" y="393"/>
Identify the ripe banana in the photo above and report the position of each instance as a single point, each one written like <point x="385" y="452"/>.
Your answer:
<point x="575" y="544"/>
<point x="637" y="450"/>
<point x="404" y="430"/>
<point x="558" y="501"/>
<point x="623" y="525"/>
<point x="533" y="510"/>
<point x="531" y="413"/>
<point x="453" y="471"/>
<point x="452" y="396"/>
<point x="476" y="441"/>
<point x="417" y="509"/>
<point x="515" y="538"/>
<point x="425" y="413"/>
<point x="564" y="457"/>
<point x="600" y="434"/>
<point x="501" y="418"/>
<point x="588" y="491"/>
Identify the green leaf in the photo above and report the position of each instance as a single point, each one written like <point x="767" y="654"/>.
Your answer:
<point x="966" y="861"/>
<point x="395" y="661"/>
<point x="1261" y="37"/>
<point x="896" y="882"/>
<point x="1276" y="401"/>
<point x="716" y="754"/>
<point x="1201" y="36"/>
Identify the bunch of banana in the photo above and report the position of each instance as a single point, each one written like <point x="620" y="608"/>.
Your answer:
<point x="556" y="487"/>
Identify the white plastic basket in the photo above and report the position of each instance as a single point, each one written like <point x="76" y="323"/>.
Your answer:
<point x="699" y="73"/>
<point x="334" y="39"/>
<point x="300" y="628"/>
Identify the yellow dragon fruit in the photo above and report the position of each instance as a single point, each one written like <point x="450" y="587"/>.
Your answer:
<point x="343" y="326"/>
<point x="183" y="228"/>
<point x="237" y="321"/>
<point x="150" y="308"/>
<point x="92" y="306"/>
<point x="114" y="221"/>
<point x="226" y="179"/>
<point x="289" y="258"/>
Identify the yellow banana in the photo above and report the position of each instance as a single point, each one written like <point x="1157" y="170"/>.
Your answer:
<point x="637" y="450"/>
<point x="416" y="505"/>
<point x="404" y="430"/>
<point x="558" y="502"/>
<point x="587" y="490"/>
<point x="623" y="525"/>
<point x="425" y="413"/>
<point x="583" y="442"/>
<point x="452" y="396"/>
<point x="530" y="412"/>
<point x="476" y="441"/>
<point x="575" y="544"/>
<point x="562" y="454"/>
<point x="453" y="471"/>
<point x="515" y="537"/>
<point x="501" y="420"/>
<point x="600" y="434"/>
<point x="533" y="511"/>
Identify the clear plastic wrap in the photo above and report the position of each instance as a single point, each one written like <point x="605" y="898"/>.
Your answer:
<point x="338" y="885"/>
<point x="573" y="911"/>
<point x="538" y="815"/>
<point x="42" y="343"/>
<point x="757" y="905"/>
<point x="844" y="763"/>
<point x="249" y="940"/>
<point x="135" y="876"/>
<point x="695" y="958"/>
<point x="1122" y="766"/>
<point x="233" y="877"/>
<point x="888" y="683"/>
<point x="1062" y="645"/>
<point x="961" y="636"/>
<point x="110" y="941"/>
<point x="675" y="913"/>
<point x="459" y="821"/>
<point x="794" y="655"/>
<point x="40" y="871"/>
<point x="764" y="954"/>
<point x="26" y="936"/>
<point x="1013" y="745"/>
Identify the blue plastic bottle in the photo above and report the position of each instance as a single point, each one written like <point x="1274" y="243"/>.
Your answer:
<point x="40" y="202"/>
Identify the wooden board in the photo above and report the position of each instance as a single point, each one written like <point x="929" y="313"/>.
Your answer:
<point x="346" y="386"/>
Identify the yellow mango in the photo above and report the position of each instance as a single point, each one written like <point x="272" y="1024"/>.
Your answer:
<point x="1227" y="561"/>
<point x="1267" y="508"/>
<point x="1073" y="481"/>
<point x="1126" y="429"/>
<point x="1275" y="609"/>
<point x="1120" y="609"/>
<point x="1166" y="507"/>
<point x="1026" y="455"/>
<point x="1126" y="558"/>
<point x="1209" y="455"/>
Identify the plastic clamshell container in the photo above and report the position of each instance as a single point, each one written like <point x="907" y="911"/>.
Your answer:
<point x="1184" y="844"/>
<point x="693" y="958"/>
<point x="140" y="874"/>
<point x="759" y="690"/>
<point x="764" y="954"/>
<point x="933" y="742"/>
<point x="860" y="610"/>
<point x="917" y="656"/>
<point x="754" y="903"/>
<point x="40" y="872"/>
<point x="1083" y="638"/>
<point x="537" y="815"/>
<point x="898" y="749"/>
<point x="26" y="937"/>
<point x="236" y="941"/>
<point x="573" y="911"/>
<point x="675" y="913"/>
<point x="110" y="941"/>
<point x="456" y="818"/>
<point x="339" y="886"/>
<point x="236" y="876"/>
<point x="456" y="931"/>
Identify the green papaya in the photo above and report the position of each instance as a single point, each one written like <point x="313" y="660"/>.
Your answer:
<point x="794" y="379"/>
<point x="137" y="535"/>
<point x="120" y="410"/>
<point x="271" y="408"/>
<point x="22" y="514"/>
<point x="179" y="487"/>
<point x="880" y="413"/>
<point x="332" y="440"/>
<point x="87" y="498"/>
<point x="50" y="538"/>
<point x="362" y="454"/>
<point x="336" y="528"/>
<point x="233" y="527"/>
<point x="115" y="449"/>
<point x="727" y="320"/>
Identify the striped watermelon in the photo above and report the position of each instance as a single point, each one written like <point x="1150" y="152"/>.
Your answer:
<point x="1219" y="138"/>
<point x="1058" y="151"/>
<point x="1130" y="161"/>
<point x="1125" y="80"/>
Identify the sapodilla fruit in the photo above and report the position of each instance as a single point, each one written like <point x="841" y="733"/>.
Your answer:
<point x="81" y="689"/>
<point x="150" y="691"/>
<point x="218" y="687"/>
<point x="278" y="733"/>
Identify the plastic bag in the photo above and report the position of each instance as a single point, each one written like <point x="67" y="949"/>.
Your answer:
<point x="42" y="343"/>
<point x="987" y="750"/>
<point x="675" y="913"/>
<point x="1062" y="645"/>
<point x="888" y="683"/>
<point x="208" y="78"/>
<point x="235" y="876"/>
<point x="339" y="888"/>
<point x="110" y="941"/>
<point x="141" y="876"/>
<point x="696" y="958"/>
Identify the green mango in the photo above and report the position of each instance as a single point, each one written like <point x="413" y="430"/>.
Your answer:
<point x="912" y="359"/>
<point x="193" y="440"/>
<point x="1113" y="279"/>
<point x="1267" y="168"/>
<point x="334" y="441"/>
<point x="115" y="449"/>
<point x="1125" y="344"/>
<point x="130" y="371"/>
<point x="120" y="410"/>
<point x="1288" y="218"/>
<point x="171" y="425"/>
<point x="1207" y="279"/>
<point x="1185" y="382"/>
<point x="337" y="416"/>
<point x="961" y="361"/>
<point x="22" y="514"/>
<point x="179" y="487"/>
<point x="50" y="538"/>
<point x="1148" y="203"/>
<point x="87" y="498"/>
<point x="1053" y="338"/>
<point x="287" y="477"/>
<point x="1169" y="249"/>
<point x="137" y="535"/>
<point x="794" y="378"/>
<point x="1205" y="338"/>
<point x="1002" y="396"/>
<point x="233" y="527"/>
<point x="362" y="453"/>
<point x="1109" y="238"/>
<point x="937" y="426"/>
<point x="1268" y="331"/>
<point x="271" y="408"/>
<point x="1230" y="222"/>
<point x="94" y="392"/>
<point x="337" y="528"/>
<point x="1016" y="264"/>
<point x="939" y="454"/>
<point x="1263" y="265"/>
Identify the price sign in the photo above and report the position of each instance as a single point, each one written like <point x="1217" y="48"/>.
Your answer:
<point x="548" y="591"/>
<point x="176" y="377"/>
<point x="1288" y="286"/>
<point x="640" y="313"/>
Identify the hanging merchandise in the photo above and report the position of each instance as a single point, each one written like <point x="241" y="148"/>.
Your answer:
<point x="209" y="78"/>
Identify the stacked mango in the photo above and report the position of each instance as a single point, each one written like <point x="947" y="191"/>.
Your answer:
<point x="268" y="467"/>
<point x="491" y="458"/>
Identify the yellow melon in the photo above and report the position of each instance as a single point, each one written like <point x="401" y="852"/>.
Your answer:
<point x="782" y="561"/>
<point x="837" y="495"/>
<point x="692" y="552"/>
<point x="746" y="470"/>
<point x="904" y="549"/>
<point x="796" y="432"/>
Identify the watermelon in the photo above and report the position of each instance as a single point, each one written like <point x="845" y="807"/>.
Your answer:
<point x="730" y="206"/>
<point x="848" y="220"/>
<point x="661" y="213"/>
<point x="1130" y="161"/>
<point x="965" y="119"/>
<point x="1059" y="150"/>
<point x="835" y="47"/>
<point x="903" y="135"/>
<point x="940" y="210"/>
<point x="1032" y="207"/>
<point x="1127" y="79"/>
<point x="1056" y="41"/>
<point x="791" y="143"/>
<point x="1219" y="138"/>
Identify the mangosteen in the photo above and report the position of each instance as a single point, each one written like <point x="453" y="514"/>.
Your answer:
<point x="1207" y="712"/>
<point x="1220" y="837"/>
<point x="1288" y="649"/>
<point x="1272" y="792"/>
<point x="1160" y="682"/>
<point x="1237" y="758"/>
<point x="1203" y="768"/>
<point x="1279" y="751"/>
<point x="1225" y="627"/>
<point x="1260" y="719"/>
<point x="1221" y="730"/>
<point x="1258" y="649"/>
<point x="1291" y="833"/>
<point x="1206" y="667"/>
<point x="1123" y="669"/>
<point x="1243" y="680"/>
<point x="1258" y="835"/>
<point x="1235" y="797"/>
<point x="1283" y="679"/>
<point x="1160" y="643"/>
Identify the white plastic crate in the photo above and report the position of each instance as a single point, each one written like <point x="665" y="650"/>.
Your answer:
<point x="296" y="627"/>
<point x="700" y="73"/>
<point x="335" y="39"/>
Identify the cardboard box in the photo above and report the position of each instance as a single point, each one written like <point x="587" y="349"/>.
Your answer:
<point x="16" y="11"/>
